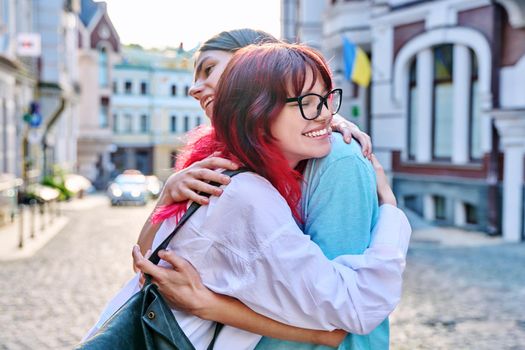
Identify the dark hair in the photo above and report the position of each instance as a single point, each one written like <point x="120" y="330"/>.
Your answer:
<point x="233" y="40"/>
<point x="251" y="93"/>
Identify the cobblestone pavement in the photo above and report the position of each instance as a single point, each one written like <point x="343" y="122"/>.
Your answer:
<point x="50" y="300"/>
<point x="462" y="298"/>
<point x="454" y="297"/>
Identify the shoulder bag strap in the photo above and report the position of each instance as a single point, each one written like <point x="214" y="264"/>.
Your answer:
<point x="192" y="209"/>
<point x="154" y="258"/>
<point x="218" y="327"/>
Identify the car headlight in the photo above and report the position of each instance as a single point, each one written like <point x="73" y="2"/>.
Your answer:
<point x="115" y="191"/>
<point x="154" y="190"/>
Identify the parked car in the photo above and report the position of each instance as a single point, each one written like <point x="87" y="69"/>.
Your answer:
<point x="9" y="187"/>
<point x="78" y="184"/>
<point x="129" y="188"/>
<point x="154" y="185"/>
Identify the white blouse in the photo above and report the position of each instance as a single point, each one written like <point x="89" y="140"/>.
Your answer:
<point x="246" y="244"/>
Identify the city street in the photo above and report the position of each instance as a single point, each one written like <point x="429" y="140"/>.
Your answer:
<point x="461" y="296"/>
<point x="457" y="295"/>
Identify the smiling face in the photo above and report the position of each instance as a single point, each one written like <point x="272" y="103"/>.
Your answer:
<point x="209" y="67"/>
<point x="301" y="139"/>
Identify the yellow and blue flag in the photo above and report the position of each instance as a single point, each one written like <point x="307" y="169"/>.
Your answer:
<point x="356" y="63"/>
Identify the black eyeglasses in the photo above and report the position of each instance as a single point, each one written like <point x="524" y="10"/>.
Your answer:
<point x="312" y="104"/>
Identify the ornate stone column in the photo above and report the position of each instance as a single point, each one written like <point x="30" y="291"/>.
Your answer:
<point x="424" y="105"/>
<point x="460" y="127"/>
<point x="511" y="127"/>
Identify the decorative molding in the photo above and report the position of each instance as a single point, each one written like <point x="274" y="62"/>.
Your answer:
<point x="456" y="35"/>
<point x="515" y="10"/>
<point x="511" y="127"/>
<point x="470" y="171"/>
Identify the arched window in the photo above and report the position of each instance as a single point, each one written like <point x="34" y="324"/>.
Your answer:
<point x="412" y="111"/>
<point x="475" y="151"/>
<point x="443" y="102"/>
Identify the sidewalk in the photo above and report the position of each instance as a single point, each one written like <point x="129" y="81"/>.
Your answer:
<point x="453" y="237"/>
<point x="425" y="233"/>
<point x="37" y="230"/>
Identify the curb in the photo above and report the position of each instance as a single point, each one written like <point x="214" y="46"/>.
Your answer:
<point x="453" y="237"/>
<point x="9" y="249"/>
<point x="10" y="234"/>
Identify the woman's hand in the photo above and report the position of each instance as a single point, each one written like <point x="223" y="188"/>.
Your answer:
<point x="349" y="130"/>
<point x="185" y="184"/>
<point x="182" y="288"/>
<point x="180" y="285"/>
<point x="384" y="191"/>
<point x="135" y="268"/>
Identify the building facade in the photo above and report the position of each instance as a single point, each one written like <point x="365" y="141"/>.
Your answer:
<point x="444" y="109"/>
<point x="99" y="49"/>
<point x="58" y="88"/>
<point x="152" y="110"/>
<point x="322" y="25"/>
<point x="17" y="85"/>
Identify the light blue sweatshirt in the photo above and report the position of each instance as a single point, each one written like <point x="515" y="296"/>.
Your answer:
<point x="340" y="208"/>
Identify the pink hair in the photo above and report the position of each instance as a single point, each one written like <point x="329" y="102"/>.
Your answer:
<point x="250" y="95"/>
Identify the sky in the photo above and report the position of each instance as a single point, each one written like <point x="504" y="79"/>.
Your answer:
<point x="161" y="23"/>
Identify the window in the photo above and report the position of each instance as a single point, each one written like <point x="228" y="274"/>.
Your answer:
<point x="115" y="123"/>
<point x="355" y="90"/>
<point x="186" y="90"/>
<point x="144" y="123"/>
<point x="143" y="159"/>
<point x="128" y="123"/>
<point x="173" y="123"/>
<point x="143" y="88"/>
<point x="174" y="90"/>
<point x="103" y="113"/>
<point x="186" y="123"/>
<point x="412" y="111"/>
<point x="3" y="132"/>
<point x="439" y="207"/>
<point x="414" y="203"/>
<point x="103" y="71"/>
<point x="173" y="158"/>
<point x="471" y="214"/>
<point x="103" y="121"/>
<point x="115" y="87"/>
<point x="198" y="120"/>
<point x="128" y="87"/>
<point x="475" y="151"/>
<point x="443" y="103"/>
